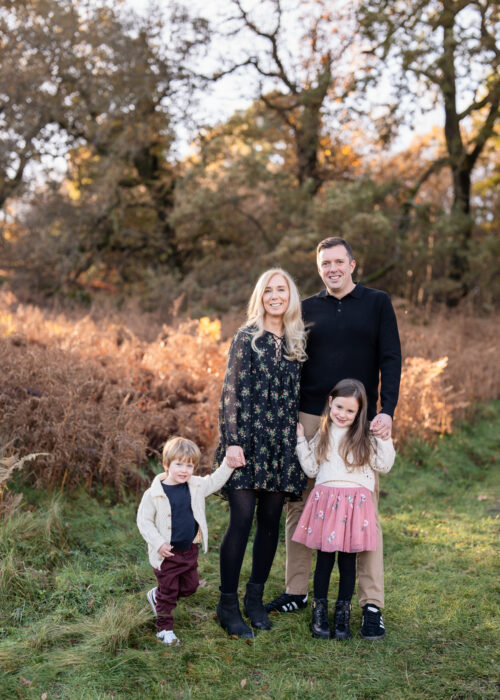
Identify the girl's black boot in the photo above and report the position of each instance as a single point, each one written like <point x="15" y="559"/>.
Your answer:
<point x="229" y="616"/>
<point x="341" y="619"/>
<point x="319" y="623"/>
<point x="254" y="607"/>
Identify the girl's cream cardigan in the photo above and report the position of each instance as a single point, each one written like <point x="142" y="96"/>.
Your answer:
<point x="334" y="469"/>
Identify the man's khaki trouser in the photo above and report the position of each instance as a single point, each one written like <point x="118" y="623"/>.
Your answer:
<point x="370" y="565"/>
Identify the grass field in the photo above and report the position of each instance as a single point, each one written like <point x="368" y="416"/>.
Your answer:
<point x="75" y="622"/>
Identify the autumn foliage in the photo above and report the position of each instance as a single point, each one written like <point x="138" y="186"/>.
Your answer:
<point x="101" y="399"/>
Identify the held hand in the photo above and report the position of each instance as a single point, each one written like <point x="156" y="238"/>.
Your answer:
<point x="300" y="430"/>
<point x="165" y="550"/>
<point x="235" y="457"/>
<point x="381" y="426"/>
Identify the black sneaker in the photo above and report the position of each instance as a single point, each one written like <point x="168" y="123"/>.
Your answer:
<point x="286" y="602"/>
<point x="373" y="624"/>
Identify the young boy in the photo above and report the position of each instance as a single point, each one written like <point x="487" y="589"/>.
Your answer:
<point x="171" y="518"/>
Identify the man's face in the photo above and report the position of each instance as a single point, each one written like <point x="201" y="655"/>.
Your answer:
<point x="335" y="269"/>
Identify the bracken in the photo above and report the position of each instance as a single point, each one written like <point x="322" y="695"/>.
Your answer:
<point x="101" y="401"/>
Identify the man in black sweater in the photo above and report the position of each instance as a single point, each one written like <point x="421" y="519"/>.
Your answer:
<point x="353" y="333"/>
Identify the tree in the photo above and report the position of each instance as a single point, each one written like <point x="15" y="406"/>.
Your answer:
<point x="233" y="203"/>
<point x="448" y="49"/>
<point x="296" y="85"/>
<point x="100" y="88"/>
<point x="69" y="70"/>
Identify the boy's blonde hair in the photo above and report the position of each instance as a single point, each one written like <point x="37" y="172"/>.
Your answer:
<point x="182" y="450"/>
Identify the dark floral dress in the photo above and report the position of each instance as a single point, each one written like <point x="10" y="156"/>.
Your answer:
<point x="258" y="411"/>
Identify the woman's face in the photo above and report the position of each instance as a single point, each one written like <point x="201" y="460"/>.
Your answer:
<point x="276" y="296"/>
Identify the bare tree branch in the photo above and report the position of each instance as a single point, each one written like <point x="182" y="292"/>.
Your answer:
<point x="487" y="129"/>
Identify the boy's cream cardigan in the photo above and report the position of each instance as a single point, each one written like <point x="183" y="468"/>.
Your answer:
<point x="154" y="518"/>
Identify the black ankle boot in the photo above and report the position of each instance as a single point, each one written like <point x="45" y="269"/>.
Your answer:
<point x="341" y="619"/>
<point x="229" y="616"/>
<point x="254" y="607"/>
<point x="319" y="623"/>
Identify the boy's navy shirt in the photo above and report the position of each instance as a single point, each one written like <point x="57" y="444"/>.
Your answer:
<point x="184" y="526"/>
<point x="353" y="337"/>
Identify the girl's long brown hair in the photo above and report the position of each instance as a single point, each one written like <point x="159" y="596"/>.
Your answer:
<point x="356" y="447"/>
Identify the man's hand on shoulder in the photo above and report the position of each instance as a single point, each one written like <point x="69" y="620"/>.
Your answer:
<point x="381" y="426"/>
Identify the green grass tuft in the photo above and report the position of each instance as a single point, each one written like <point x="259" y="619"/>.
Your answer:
<point x="75" y="622"/>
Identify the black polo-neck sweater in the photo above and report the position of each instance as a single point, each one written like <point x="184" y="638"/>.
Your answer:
<point x="353" y="337"/>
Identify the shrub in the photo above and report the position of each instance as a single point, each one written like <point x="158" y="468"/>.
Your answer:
<point x="101" y="401"/>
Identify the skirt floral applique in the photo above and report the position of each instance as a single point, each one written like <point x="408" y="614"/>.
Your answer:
<point x="338" y="519"/>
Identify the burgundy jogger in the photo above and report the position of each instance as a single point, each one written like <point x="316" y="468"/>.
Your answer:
<point x="177" y="578"/>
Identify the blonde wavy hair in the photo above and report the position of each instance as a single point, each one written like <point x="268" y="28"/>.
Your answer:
<point x="295" y="335"/>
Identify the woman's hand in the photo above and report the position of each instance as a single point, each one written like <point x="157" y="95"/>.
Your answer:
<point x="300" y="430"/>
<point x="235" y="456"/>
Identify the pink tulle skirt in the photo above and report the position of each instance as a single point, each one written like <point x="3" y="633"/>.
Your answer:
<point x="338" y="519"/>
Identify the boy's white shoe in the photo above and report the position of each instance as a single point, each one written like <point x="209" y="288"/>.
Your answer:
<point x="168" y="637"/>
<point x="151" y="596"/>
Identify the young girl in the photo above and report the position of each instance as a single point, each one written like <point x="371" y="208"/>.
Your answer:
<point x="339" y="514"/>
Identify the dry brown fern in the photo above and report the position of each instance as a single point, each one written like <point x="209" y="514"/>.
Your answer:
<point x="101" y="401"/>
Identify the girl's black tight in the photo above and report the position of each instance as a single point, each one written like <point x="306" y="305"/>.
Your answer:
<point x="241" y="508"/>
<point x="347" y="571"/>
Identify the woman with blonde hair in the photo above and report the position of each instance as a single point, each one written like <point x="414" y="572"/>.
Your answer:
<point x="257" y="422"/>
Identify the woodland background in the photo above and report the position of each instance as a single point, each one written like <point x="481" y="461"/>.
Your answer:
<point x="153" y="162"/>
<point x="132" y="230"/>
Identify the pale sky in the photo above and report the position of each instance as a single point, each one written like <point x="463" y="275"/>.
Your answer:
<point x="236" y="92"/>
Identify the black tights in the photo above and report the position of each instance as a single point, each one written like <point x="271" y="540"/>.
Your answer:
<point x="232" y="549"/>
<point x="347" y="571"/>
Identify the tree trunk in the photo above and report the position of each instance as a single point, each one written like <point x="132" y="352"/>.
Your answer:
<point x="307" y="131"/>
<point x="460" y="168"/>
